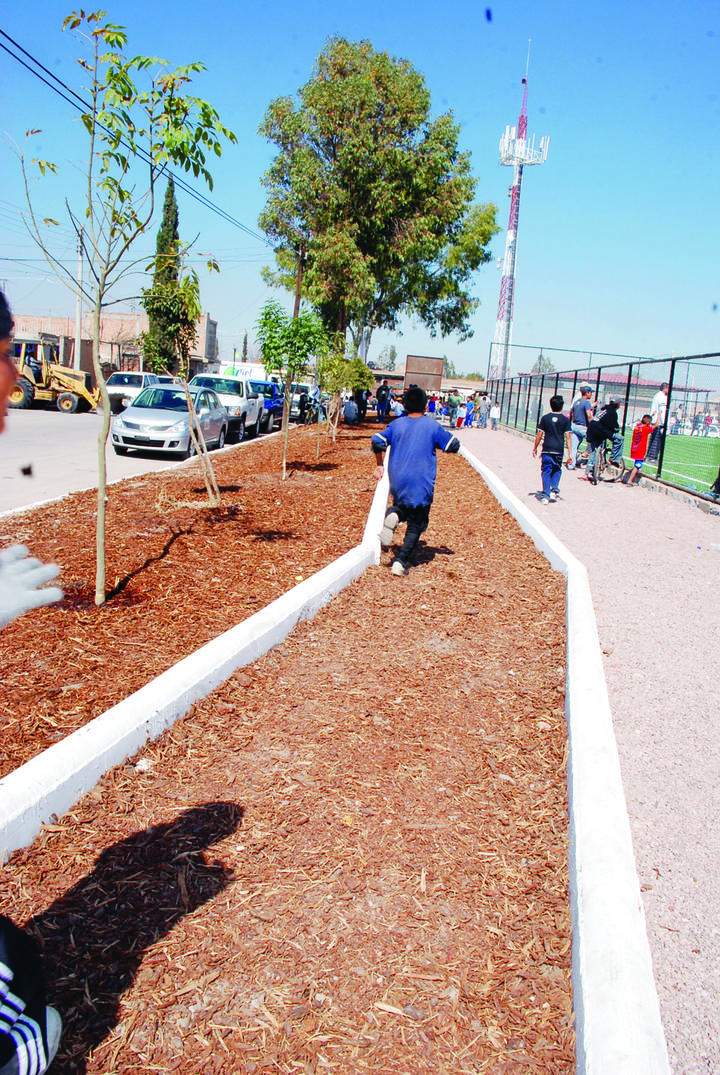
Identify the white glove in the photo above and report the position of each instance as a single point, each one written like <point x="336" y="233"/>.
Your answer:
<point x="20" y="576"/>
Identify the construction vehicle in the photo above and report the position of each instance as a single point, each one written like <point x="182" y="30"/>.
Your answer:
<point x="42" y="379"/>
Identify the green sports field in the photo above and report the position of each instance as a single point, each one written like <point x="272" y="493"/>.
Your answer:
<point x="688" y="461"/>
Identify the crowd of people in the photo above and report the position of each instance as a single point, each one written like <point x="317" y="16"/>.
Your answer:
<point x="477" y="410"/>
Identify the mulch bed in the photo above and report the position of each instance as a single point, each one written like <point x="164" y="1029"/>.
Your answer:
<point x="351" y="857"/>
<point x="181" y="575"/>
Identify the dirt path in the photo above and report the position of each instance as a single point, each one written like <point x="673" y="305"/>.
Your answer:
<point x="654" y="581"/>
<point x="352" y="857"/>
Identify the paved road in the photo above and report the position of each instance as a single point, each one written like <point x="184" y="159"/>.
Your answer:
<point x="62" y="451"/>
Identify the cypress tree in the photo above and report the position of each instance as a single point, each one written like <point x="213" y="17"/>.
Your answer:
<point x="160" y="347"/>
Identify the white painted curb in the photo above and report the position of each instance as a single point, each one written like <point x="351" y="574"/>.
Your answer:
<point x="50" y="783"/>
<point x="617" y="1015"/>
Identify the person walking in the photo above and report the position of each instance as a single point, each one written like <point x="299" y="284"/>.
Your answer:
<point x="554" y="432"/>
<point x="383" y="400"/>
<point x="453" y="404"/>
<point x="413" y="441"/>
<point x="494" y="415"/>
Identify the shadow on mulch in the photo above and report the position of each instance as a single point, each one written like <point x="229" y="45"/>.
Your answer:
<point x="273" y="535"/>
<point x="312" y="468"/>
<point x="424" y="554"/>
<point x="94" y="938"/>
<point x="120" y="586"/>
<point x="234" y="488"/>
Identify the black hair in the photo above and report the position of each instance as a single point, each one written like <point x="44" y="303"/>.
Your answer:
<point x="415" y="400"/>
<point x="6" y="322"/>
<point x="556" y="403"/>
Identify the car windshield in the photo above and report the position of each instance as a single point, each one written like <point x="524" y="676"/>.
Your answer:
<point x="219" y="384"/>
<point x="163" y="399"/>
<point x="125" y="380"/>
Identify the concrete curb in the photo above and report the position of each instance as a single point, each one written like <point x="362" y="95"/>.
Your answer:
<point x="49" y="784"/>
<point x="617" y="1015"/>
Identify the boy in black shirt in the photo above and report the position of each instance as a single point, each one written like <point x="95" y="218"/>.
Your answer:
<point x="554" y="432"/>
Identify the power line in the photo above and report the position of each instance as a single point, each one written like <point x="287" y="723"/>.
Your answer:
<point x="82" y="105"/>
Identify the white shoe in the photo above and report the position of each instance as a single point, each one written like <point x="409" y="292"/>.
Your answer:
<point x="397" y="568"/>
<point x="544" y="500"/>
<point x="553" y="496"/>
<point x="389" y="526"/>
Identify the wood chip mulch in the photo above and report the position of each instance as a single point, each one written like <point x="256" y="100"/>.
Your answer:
<point x="181" y="575"/>
<point x="351" y="857"/>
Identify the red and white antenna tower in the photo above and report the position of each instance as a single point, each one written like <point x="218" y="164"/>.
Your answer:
<point x="516" y="151"/>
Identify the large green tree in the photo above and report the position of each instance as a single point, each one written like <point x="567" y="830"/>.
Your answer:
<point x="373" y="197"/>
<point x="159" y="344"/>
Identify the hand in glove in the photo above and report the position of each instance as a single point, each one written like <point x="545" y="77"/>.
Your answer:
<point x="20" y="576"/>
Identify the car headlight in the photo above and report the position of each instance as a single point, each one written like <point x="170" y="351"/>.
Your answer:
<point x="234" y="411"/>
<point x="177" y="430"/>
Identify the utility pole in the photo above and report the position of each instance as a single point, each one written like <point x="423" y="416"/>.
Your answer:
<point x="78" y="305"/>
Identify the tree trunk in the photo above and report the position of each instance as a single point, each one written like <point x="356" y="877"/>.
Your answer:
<point x="102" y="464"/>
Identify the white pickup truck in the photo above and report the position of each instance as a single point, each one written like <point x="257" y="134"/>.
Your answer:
<point x="243" y="404"/>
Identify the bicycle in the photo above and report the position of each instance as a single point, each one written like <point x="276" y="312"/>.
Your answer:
<point x="606" y="469"/>
<point x="311" y="414"/>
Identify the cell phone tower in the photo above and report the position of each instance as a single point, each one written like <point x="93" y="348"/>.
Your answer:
<point x="516" y="151"/>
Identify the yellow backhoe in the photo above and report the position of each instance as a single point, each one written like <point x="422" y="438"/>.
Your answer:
<point x="42" y="379"/>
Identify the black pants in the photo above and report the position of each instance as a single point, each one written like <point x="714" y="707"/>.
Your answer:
<point x="417" y="522"/>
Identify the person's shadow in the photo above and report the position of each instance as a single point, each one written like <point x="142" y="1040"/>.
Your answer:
<point x="93" y="938"/>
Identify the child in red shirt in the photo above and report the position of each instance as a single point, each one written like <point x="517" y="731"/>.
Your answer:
<point x="639" y="446"/>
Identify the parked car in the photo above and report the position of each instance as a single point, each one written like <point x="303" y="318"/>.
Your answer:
<point x="124" y="387"/>
<point x="243" y="403"/>
<point x="272" y="394"/>
<point x="158" y="421"/>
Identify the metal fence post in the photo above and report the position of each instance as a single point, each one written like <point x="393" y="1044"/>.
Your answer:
<point x="527" y="405"/>
<point x="517" y="405"/>
<point x="509" y="402"/>
<point x="658" y="472"/>
<point x="540" y="396"/>
<point x="627" y="397"/>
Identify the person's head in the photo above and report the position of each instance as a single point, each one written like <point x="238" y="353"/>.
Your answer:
<point x="664" y="386"/>
<point x="385" y="380"/>
<point x="8" y="372"/>
<point x="415" y="400"/>
<point x="585" y="391"/>
<point x="556" y="403"/>
<point x="646" y="419"/>
<point x="614" y="402"/>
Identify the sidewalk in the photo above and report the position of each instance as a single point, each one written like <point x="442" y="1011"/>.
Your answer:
<point x="654" y="583"/>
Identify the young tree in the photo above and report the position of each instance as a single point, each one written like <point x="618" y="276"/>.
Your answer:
<point x="140" y="121"/>
<point x="245" y="348"/>
<point x="375" y="195"/>
<point x="287" y="344"/>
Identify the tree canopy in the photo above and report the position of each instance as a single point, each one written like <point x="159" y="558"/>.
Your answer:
<point x="374" y="195"/>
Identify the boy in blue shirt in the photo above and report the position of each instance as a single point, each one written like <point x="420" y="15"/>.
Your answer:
<point x="413" y="440"/>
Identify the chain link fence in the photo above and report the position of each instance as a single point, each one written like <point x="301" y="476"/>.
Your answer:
<point x="686" y="450"/>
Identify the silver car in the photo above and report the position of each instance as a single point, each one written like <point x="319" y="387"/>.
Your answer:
<point x="158" y="421"/>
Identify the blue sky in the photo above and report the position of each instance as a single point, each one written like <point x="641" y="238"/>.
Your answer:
<point x="619" y="237"/>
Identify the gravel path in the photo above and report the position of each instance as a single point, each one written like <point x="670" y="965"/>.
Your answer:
<point x="653" y="578"/>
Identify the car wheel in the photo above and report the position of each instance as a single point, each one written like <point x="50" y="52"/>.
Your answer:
<point x="221" y="439"/>
<point x="119" y="450"/>
<point x="253" y="430"/>
<point x="240" y="430"/>
<point x="21" y="394"/>
<point x="190" y="450"/>
<point x="67" y="402"/>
